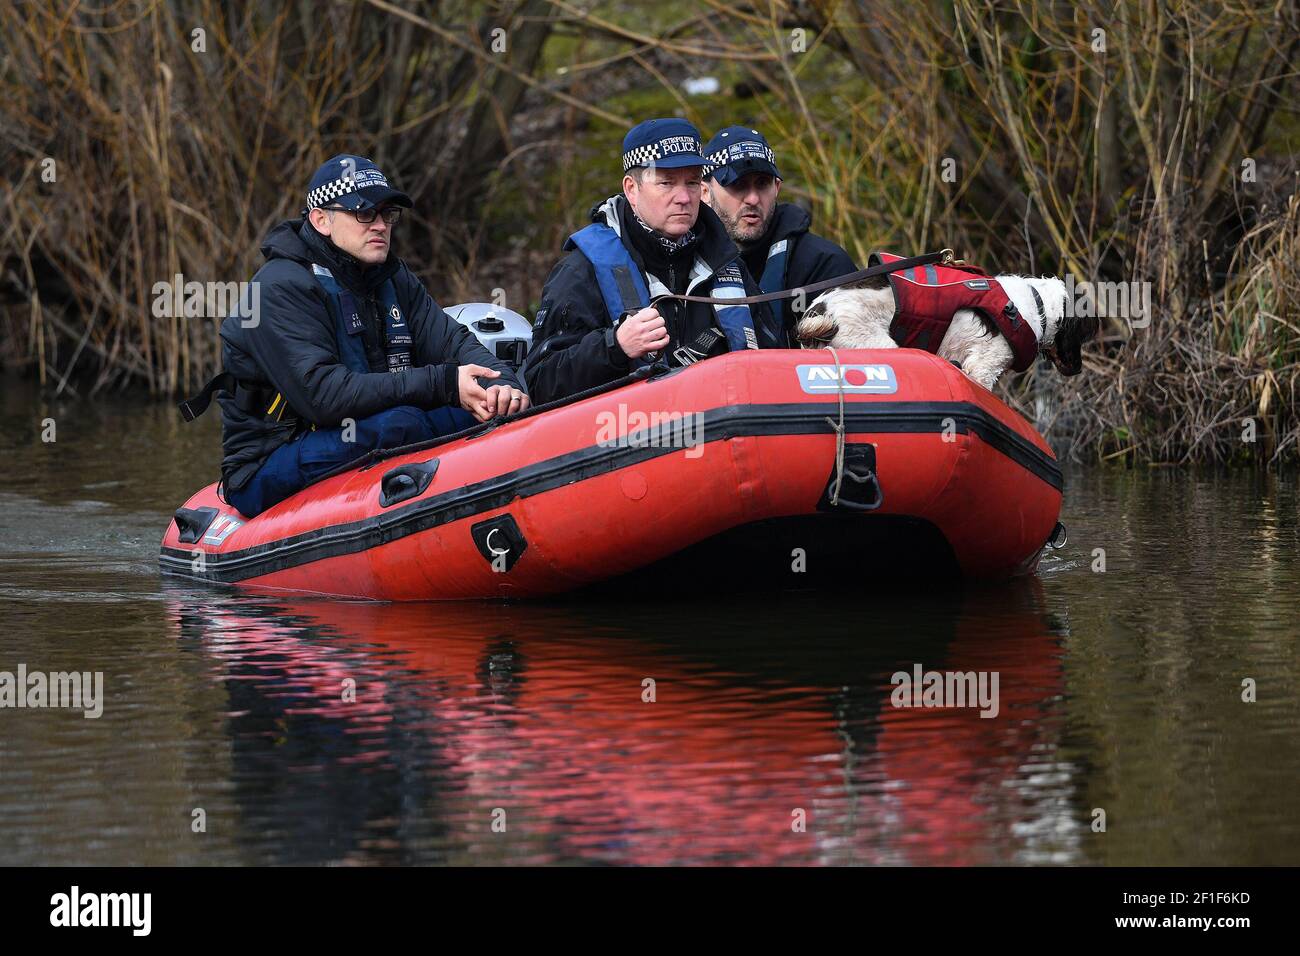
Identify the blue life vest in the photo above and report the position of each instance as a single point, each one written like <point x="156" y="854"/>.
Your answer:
<point x="348" y="324"/>
<point x="773" y="279"/>
<point x="625" y="291"/>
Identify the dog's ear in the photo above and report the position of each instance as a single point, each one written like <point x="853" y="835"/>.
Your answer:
<point x="1066" y="352"/>
<point x="816" y="328"/>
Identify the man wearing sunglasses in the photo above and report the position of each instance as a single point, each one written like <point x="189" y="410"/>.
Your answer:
<point x="345" y="351"/>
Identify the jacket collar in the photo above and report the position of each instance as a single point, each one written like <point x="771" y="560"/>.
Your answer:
<point x="787" y="220"/>
<point x="713" y="246"/>
<point x="351" y="272"/>
<point x="296" y="239"/>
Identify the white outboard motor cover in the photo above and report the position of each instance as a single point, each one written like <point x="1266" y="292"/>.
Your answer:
<point x="506" y="334"/>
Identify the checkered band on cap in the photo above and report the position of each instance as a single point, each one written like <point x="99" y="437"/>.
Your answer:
<point x="713" y="162"/>
<point x="717" y="160"/>
<point x="641" y="156"/>
<point x="329" y="192"/>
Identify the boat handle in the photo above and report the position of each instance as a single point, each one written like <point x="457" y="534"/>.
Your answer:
<point x="871" y="488"/>
<point x="406" y="481"/>
<point x="193" y="522"/>
<point x="857" y="483"/>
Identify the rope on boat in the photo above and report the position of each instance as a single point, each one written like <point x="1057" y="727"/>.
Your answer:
<point x="839" y="429"/>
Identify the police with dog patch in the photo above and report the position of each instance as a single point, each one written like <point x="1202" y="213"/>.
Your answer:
<point x="348" y="352"/>
<point x="601" y="316"/>
<point x="741" y="184"/>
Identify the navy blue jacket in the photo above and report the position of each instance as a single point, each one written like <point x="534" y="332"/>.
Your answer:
<point x="574" y="346"/>
<point x="811" y="260"/>
<point x="293" y="349"/>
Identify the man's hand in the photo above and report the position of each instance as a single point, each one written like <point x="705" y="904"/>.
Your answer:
<point x="642" y="333"/>
<point x="485" y="403"/>
<point x="505" y="400"/>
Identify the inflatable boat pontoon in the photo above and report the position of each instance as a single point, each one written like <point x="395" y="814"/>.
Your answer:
<point x="732" y="469"/>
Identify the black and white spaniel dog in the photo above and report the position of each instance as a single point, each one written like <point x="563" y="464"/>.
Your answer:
<point x="860" y="318"/>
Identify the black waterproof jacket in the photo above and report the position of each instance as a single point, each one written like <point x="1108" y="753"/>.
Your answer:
<point x="290" y="346"/>
<point x="574" y="346"/>
<point x="811" y="259"/>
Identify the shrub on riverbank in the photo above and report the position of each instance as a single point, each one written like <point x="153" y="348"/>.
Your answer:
<point x="1117" y="146"/>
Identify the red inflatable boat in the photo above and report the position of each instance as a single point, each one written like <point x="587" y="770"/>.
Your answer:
<point x="728" y="472"/>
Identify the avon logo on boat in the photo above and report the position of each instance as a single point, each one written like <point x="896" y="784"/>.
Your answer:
<point x="221" y="529"/>
<point x="851" y="378"/>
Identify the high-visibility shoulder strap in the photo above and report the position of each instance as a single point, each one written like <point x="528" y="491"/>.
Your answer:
<point x="734" y="317"/>
<point x="621" y="284"/>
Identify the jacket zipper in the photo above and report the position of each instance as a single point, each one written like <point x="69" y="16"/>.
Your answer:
<point x="376" y="330"/>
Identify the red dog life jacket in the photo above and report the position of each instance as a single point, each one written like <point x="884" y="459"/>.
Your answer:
<point x="927" y="297"/>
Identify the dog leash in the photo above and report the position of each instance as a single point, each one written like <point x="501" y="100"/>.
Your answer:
<point x="880" y="269"/>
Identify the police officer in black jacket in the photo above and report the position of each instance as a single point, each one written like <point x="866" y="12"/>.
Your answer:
<point x="741" y="184"/>
<point x="341" y="349"/>
<point x="600" y="318"/>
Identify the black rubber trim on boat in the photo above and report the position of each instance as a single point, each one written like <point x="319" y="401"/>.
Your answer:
<point x="656" y="370"/>
<point x="720" y="424"/>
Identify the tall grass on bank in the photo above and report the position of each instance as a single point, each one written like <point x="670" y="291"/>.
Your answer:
<point x="142" y="140"/>
<point x="1115" y="142"/>
<point x="1218" y="382"/>
<point x="1129" y="142"/>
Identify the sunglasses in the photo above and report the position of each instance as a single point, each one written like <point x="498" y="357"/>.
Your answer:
<point x="364" y="216"/>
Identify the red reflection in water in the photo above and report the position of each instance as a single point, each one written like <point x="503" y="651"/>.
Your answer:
<point x="538" y="710"/>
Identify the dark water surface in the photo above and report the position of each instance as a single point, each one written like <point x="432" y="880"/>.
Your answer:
<point x="1119" y="690"/>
